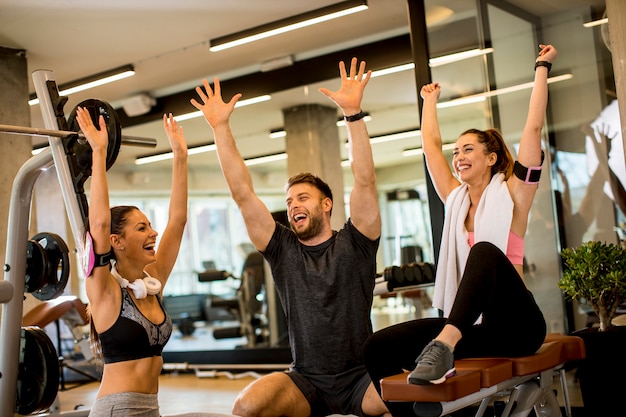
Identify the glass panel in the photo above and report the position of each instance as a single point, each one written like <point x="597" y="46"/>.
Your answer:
<point x="515" y="49"/>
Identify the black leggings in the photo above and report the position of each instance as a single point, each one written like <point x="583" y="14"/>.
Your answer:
<point x="512" y="324"/>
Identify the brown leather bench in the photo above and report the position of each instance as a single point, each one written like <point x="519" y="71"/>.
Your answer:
<point x="479" y="378"/>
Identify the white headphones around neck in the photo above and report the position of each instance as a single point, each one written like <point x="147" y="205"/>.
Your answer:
<point x="141" y="287"/>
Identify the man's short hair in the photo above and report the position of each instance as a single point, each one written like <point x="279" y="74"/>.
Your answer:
<point x="314" y="180"/>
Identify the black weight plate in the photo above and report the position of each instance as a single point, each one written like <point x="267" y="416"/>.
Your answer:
<point x="114" y="128"/>
<point x="417" y="271"/>
<point x="38" y="372"/>
<point x="428" y="271"/>
<point x="409" y="274"/>
<point x="36" y="267"/>
<point x="388" y="273"/>
<point x="398" y="274"/>
<point x="58" y="260"/>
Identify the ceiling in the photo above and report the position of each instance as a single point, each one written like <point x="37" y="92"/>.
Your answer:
<point x="168" y="44"/>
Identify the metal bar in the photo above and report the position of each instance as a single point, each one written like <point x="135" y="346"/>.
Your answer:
<point x="34" y="131"/>
<point x="139" y="141"/>
<point x="40" y="77"/>
<point x="14" y="273"/>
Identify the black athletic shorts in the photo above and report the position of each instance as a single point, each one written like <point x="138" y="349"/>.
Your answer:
<point x="334" y="394"/>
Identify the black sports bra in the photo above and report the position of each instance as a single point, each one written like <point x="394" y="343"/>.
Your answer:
<point x="133" y="336"/>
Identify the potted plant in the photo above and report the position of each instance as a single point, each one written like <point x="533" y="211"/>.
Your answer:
<point x="595" y="273"/>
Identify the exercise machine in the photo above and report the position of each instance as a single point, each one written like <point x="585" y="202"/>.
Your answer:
<point x="29" y="363"/>
<point x="248" y="307"/>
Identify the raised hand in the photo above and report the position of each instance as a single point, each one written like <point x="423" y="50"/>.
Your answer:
<point x="350" y="94"/>
<point x="547" y="53"/>
<point x="98" y="138"/>
<point x="175" y="134"/>
<point x="432" y="90"/>
<point x="213" y="107"/>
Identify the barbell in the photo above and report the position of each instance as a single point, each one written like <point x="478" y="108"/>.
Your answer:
<point x="74" y="140"/>
<point x="34" y="131"/>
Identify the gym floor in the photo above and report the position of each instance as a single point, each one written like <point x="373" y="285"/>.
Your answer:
<point x="212" y="391"/>
<point x="185" y="392"/>
<point x="179" y="393"/>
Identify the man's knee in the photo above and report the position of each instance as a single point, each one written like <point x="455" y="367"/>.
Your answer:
<point x="272" y="395"/>
<point x="244" y="406"/>
<point x="372" y="404"/>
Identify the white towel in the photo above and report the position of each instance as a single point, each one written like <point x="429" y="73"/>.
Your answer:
<point x="492" y="223"/>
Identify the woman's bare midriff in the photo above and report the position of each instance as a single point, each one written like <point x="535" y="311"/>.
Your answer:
<point x="140" y="375"/>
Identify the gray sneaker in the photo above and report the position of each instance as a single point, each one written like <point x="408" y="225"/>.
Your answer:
<point x="434" y="365"/>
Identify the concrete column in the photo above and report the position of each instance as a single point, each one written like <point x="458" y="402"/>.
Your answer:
<point x="14" y="110"/>
<point x="616" y="13"/>
<point x="312" y="145"/>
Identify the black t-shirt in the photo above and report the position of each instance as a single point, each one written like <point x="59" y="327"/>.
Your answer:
<point x="326" y="292"/>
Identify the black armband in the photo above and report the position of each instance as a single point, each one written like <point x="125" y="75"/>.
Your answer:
<point x="91" y="259"/>
<point x="530" y="175"/>
<point x="102" y="260"/>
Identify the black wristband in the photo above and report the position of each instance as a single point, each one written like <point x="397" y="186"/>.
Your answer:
<point x="546" y="64"/>
<point x="355" y="117"/>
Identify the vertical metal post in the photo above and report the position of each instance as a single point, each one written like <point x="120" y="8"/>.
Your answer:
<point x="421" y="55"/>
<point x="14" y="274"/>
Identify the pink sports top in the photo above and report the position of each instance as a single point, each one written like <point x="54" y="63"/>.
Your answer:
<point x="514" y="248"/>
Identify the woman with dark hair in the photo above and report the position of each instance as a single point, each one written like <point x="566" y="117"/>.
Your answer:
<point x="125" y="276"/>
<point x="479" y="286"/>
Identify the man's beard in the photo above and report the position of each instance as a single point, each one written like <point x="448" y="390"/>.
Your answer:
<point x="315" y="227"/>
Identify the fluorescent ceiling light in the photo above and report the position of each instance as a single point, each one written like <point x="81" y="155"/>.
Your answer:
<point x="91" y="82"/>
<point x="435" y="62"/>
<point x="389" y="137"/>
<point x="420" y="151"/>
<point x="598" y="22"/>
<point x="153" y="158"/>
<point x="460" y="56"/>
<point x="474" y="98"/>
<point x="241" y="103"/>
<point x="392" y="70"/>
<point x="288" y="24"/>
<point x="395" y="136"/>
<point x="210" y="147"/>
<point x="280" y="132"/>
<point x="194" y="150"/>
<point x="277" y="133"/>
<point x="265" y="159"/>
